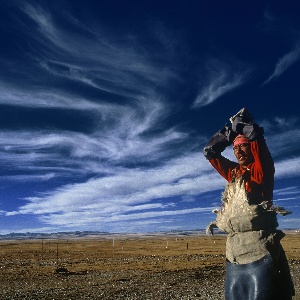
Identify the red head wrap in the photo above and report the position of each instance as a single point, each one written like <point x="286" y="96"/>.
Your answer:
<point x="240" y="139"/>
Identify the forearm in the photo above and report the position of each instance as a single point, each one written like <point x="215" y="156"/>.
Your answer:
<point x="218" y="142"/>
<point x="213" y="149"/>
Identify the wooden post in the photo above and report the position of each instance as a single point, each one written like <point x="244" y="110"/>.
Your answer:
<point x="57" y="254"/>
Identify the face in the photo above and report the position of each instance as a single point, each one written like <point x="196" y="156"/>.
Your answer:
<point x="243" y="154"/>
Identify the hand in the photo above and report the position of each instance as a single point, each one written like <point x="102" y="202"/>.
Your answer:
<point x="229" y="134"/>
<point x="244" y="116"/>
<point x="239" y="120"/>
<point x="253" y="132"/>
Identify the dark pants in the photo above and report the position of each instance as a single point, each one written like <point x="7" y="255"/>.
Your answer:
<point x="259" y="280"/>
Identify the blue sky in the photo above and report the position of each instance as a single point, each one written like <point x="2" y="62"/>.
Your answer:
<point x="107" y="105"/>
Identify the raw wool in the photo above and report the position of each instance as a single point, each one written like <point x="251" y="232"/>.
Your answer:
<point x="235" y="204"/>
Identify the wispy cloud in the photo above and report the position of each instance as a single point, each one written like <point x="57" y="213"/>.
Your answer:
<point x="293" y="190"/>
<point x="220" y="79"/>
<point x="118" y="193"/>
<point x="281" y="134"/>
<point x="284" y="63"/>
<point x="132" y="168"/>
<point x="121" y="135"/>
<point x="287" y="168"/>
<point x="127" y="108"/>
<point x="290" y="222"/>
<point x="124" y="196"/>
<point x="112" y="64"/>
<point x="108" y="67"/>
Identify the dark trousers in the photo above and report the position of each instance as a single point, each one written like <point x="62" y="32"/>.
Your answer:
<point x="259" y="280"/>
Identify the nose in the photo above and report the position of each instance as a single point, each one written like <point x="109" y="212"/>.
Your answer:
<point x="237" y="148"/>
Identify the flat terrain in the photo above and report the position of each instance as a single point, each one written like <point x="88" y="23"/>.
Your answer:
<point x="122" y="267"/>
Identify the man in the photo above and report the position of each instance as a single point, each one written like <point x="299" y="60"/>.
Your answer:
<point x="256" y="265"/>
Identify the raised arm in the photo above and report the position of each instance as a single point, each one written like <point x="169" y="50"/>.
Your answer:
<point x="262" y="166"/>
<point x="215" y="146"/>
<point x="262" y="169"/>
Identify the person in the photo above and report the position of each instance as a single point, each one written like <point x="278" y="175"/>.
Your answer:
<point x="256" y="264"/>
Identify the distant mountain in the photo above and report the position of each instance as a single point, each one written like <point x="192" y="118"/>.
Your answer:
<point x="100" y="234"/>
<point x="91" y="234"/>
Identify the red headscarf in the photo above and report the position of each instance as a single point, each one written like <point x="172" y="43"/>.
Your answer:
<point x="240" y="139"/>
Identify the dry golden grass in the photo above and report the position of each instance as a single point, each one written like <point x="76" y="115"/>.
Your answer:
<point x="28" y="266"/>
<point x="104" y="253"/>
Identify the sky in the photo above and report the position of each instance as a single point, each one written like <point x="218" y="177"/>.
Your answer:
<point x="105" y="107"/>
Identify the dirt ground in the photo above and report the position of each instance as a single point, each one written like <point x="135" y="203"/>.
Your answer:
<point x="122" y="267"/>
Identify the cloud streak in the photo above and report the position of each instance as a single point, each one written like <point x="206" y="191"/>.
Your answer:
<point x="95" y="59"/>
<point x="134" y="158"/>
<point x="222" y="78"/>
<point x="123" y="196"/>
<point x="285" y="63"/>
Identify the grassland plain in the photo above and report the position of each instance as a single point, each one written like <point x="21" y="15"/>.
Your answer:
<point x="122" y="267"/>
